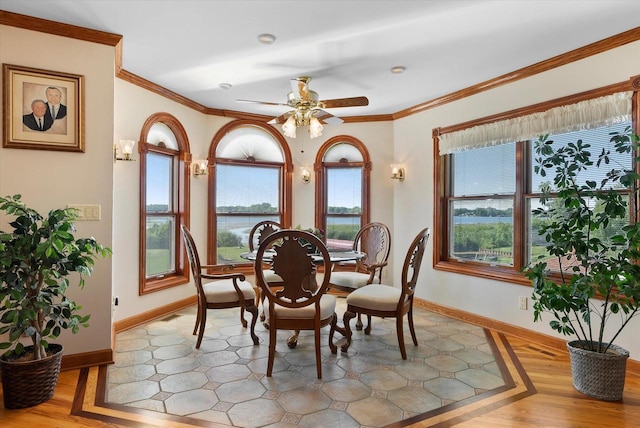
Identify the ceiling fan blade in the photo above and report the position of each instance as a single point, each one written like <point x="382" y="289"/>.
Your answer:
<point x="300" y="86"/>
<point x="280" y="119"/>
<point x="345" y="102"/>
<point x="262" y="102"/>
<point x="328" y="118"/>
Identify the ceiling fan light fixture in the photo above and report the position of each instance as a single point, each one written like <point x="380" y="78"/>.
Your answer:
<point x="315" y="128"/>
<point x="289" y="127"/>
<point x="306" y="106"/>
<point x="266" y="38"/>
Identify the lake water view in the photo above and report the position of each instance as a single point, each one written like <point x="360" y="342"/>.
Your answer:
<point x="242" y="226"/>
<point x="481" y="220"/>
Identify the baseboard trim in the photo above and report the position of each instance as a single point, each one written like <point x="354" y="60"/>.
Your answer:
<point x="156" y="313"/>
<point x="523" y="333"/>
<point x="86" y="359"/>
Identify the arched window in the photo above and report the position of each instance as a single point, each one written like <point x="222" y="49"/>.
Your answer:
<point x="165" y="159"/>
<point x="343" y="170"/>
<point x="250" y="181"/>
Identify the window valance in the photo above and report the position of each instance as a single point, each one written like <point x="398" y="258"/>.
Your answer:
<point x="587" y="114"/>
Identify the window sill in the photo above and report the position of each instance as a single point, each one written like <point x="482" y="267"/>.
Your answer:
<point x="496" y="273"/>
<point x="157" y="284"/>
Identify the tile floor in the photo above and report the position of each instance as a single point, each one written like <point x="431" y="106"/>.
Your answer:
<point x="157" y="368"/>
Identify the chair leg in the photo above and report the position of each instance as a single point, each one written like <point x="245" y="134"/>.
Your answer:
<point x="411" y="329"/>
<point x="242" y="320"/>
<point x="262" y="315"/>
<point x="367" y="330"/>
<point x="292" y="341"/>
<point x="359" y="322"/>
<point x="253" y="309"/>
<point x="195" y="327"/>
<point x="334" y="324"/>
<point x="400" y="334"/>
<point x="203" y="323"/>
<point x="198" y="315"/>
<point x="318" y="356"/>
<point x="346" y="318"/>
<point x="272" y="348"/>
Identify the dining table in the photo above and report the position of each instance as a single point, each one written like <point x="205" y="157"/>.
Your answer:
<point x="336" y="256"/>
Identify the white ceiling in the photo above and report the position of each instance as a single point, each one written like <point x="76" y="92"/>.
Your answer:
<point x="347" y="47"/>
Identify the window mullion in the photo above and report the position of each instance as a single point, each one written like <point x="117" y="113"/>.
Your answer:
<point x="519" y="205"/>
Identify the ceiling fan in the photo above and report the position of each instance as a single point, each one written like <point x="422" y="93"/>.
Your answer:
<point x="308" y="109"/>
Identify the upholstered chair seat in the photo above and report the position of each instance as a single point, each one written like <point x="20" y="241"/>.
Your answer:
<point x="223" y="291"/>
<point x="376" y="297"/>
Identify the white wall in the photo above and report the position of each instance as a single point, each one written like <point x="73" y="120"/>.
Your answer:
<point x="49" y="179"/>
<point x="414" y="198"/>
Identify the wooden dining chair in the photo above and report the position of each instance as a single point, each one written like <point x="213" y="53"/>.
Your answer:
<point x="374" y="239"/>
<point x="258" y="234"/>
<point x="301" y="303"/>
<point x="260" y="231"/>
<point x="224" y="291"/>
<point x="387" y="301"/>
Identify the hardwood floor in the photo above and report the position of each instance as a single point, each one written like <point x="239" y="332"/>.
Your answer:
<point x="542" y="396"/>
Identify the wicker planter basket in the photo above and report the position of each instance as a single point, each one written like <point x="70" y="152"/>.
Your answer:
<point x="598" y="375"/>
<point x="29" y="383"/>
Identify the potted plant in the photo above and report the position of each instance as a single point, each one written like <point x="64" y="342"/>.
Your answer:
<point x="36" y="260"/>
<point x="592" y="236"/>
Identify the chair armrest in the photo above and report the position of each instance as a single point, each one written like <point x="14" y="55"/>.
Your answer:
<point x="222" y="268"/>
<point x="376" y="266"/>
<point x="234" y="276"/>
<point x="372" y="269"/>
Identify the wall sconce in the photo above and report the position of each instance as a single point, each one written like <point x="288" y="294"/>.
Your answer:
<point x="199" y="167"/>
<point x="126" y="148"/>
<point x="305" y="174"/>
<point x="397" y="172"/>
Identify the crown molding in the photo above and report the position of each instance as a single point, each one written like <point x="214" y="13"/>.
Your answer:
<point x="604" y="45"/>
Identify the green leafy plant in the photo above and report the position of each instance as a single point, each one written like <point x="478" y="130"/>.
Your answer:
<point x="35" y="262"/>
<point x="599" y="275"/>
<point x="314" y="231"/>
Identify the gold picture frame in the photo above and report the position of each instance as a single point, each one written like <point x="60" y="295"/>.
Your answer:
<point x="31" y="99"/>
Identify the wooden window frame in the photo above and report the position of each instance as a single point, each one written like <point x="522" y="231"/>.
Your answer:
<point x="181" y="197"/>
<point x="320" y="168"/>
<point x="286" y="186"/>
<point x="512" y="274"/>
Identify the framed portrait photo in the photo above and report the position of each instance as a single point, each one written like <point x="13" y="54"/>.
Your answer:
<point x="43" y="110"/>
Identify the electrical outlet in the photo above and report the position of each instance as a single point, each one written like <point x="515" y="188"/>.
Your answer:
<point x="92" y="212"/>
<point x="523" y="303"/>
<point x="86" y="212"/>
